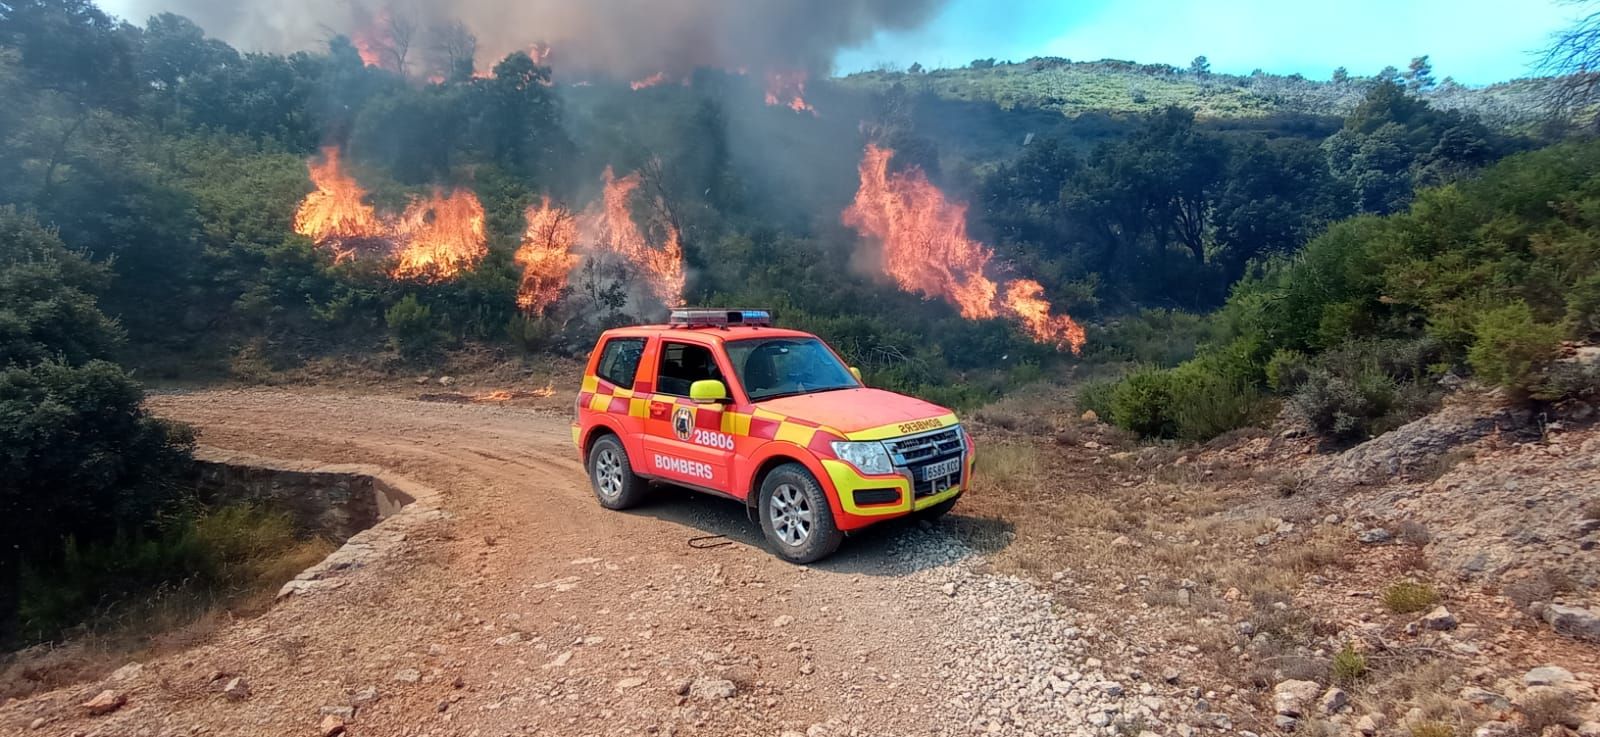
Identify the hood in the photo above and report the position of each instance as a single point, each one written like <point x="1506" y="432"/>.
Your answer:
<point x="853" y="410"/>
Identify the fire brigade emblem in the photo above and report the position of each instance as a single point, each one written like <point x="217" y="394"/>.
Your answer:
<point x="683" y="423"/>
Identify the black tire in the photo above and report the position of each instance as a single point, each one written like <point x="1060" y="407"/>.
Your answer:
<point x="933" y="513"/>
<point x="795" y="515"/>
<point x="611" y="475"/>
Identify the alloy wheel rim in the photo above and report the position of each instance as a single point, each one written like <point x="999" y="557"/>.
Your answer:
<point x="791" y="515"/>
<point x="608" y="473"/>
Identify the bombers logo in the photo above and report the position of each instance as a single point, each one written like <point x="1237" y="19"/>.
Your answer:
<point x="683" y="423"/>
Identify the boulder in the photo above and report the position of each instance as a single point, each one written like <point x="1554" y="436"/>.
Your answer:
<point x="1333" y="701"/>
<point x="1290" y="698"/>
<point x="105" y="702"/>
<point x="1439" y="620"/>
<point x="712" y="689"/>
<point x="1547" y="675"/>
<point x="1371" y="724"/>
<point x="237" y="689"/>
<point x="331" y="726"/>
<point x="1573" y="621"/>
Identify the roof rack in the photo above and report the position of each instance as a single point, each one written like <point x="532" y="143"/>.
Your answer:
<point x="689" y="317"/>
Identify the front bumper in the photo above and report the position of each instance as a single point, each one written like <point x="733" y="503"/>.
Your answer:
<point x="847" y="484"/>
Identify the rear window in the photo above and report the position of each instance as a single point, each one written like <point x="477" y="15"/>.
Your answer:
<point x="619" y="361"/>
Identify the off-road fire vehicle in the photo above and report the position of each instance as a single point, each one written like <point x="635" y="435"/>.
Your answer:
<point x="722" y="402"/>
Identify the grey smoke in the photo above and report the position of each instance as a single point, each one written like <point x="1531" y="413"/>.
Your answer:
<point x="624" y="38"/>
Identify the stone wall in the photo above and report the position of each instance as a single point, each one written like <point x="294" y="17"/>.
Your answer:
<point x="333" y="501"/>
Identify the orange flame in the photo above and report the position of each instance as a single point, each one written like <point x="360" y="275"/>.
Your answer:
<point x="546" y="256"/>
<point x="649" y="81"/>
<point x="610" y="223"/>
<point x="926" y="250"/>
<point x="373" y="43"/>
<point x="334" y="216"/>
<point x="442" y="236"/>
<point x="788" y="87"/>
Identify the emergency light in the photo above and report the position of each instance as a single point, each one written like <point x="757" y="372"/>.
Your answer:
<point x="719" y="318"/>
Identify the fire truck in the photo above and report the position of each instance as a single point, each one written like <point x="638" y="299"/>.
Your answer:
<point x="723" y="402"/>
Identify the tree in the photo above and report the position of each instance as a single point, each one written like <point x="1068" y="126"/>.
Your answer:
<point x="1200" y="66"/>
<point x="1574" y="58"/>
<point x="453" y="50"/>
<point x="79" y="457"/>
<point x="1341" y="76"/>
<point x="1419" y="75"/>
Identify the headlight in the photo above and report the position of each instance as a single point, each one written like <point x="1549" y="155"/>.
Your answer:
<point x="866" y="457"/>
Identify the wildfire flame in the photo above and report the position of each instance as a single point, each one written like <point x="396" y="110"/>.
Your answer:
<point x="926" y="250"/>
<point x="334" y="216"/>
<point x="788" y="87"/>
<point x="608" y="225"/>
<point x="373" y="43"/>
<point x="441" y="236"/>
<point x="546" y="256"/>
<point x="436" y="238"/>
<point x="649" y="81"/>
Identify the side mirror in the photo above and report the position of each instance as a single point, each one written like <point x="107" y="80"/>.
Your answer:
<point x="708" y="390"/>
<point x="856" y="373"/>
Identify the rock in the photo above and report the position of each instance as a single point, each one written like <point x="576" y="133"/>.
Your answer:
<point x="783" y="621"/>
<point x="1495" y="729"/>
<point x="1374" y="536"/>
<point x="1589" y="729"/>
<point x="37" y="723"/>
<point x="1122" y="456"/>
<point x="1371" y="724"/>
<point x="1171" y="675"/>
<point x="1246" y="627"/>
<point x="331" y="726"/>
<point x="1547" y="675"/>
<point x="1333" y="700"/>
<point x="511" y="639"/>
<point x="1100" y="719"/>
<point x="1091" y="445"/>
<point x="712" y="689"/>
<point x="105" y="702"/>
<point x="1439" y="620"/>
<point x="1573" y="621"/>
<point x="364" y="696"/>
<point x="1090" y="415"/>
<point x="1285" y="723"/>
<point x="345" y="713"/>
<point x="126" y="673"/>
<point x="1122" y="541"/>
<point x="681" y="688"/>
<point x="1290" y="698"/>
<point x="237" y="689"/>
<point x="1111" y="688"/>
<point x="949" y="589"/>
<point x="446" y="380"/>
<point x="560" y="660"/>
<point x="409" y="675"/>
<point x="630" y="682"/>
<point x="1484" y="698"/>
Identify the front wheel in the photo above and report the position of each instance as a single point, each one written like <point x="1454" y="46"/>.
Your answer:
<point x="611" y="474"/>
<point x="795" y="515"/>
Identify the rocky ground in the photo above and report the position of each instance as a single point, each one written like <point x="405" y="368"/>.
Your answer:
<point x="1091" y="587"/>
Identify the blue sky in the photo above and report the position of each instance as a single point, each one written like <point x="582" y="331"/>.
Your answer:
<point x="1475" y="41"/>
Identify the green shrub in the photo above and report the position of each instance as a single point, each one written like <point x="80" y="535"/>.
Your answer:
<point x="412" y="329"/>
<point x="1509" y="347"/>
<point x="1349" y="666"/>
<point x="1408" y="597"/>
<point x="1569" y="380"/>
<point x="1142" y="403"/>
<point x="1367" y="387"/>
<point x="1096" y="396"/>
<point x="1287" y="370"/>
<point x="1205" y="405"/>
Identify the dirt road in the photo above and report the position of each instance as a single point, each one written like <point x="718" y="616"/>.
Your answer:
<point x="527" y="609"/>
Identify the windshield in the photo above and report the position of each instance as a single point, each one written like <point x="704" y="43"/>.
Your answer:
<point x="781" y="367"/>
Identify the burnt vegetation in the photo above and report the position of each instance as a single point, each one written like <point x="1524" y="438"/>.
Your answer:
<point x="1227" y="235"/>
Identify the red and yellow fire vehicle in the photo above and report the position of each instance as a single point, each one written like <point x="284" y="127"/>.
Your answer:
<point x="722" y="402"/>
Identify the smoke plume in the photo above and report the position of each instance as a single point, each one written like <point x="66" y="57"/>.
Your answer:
<point x="628" y="39"/>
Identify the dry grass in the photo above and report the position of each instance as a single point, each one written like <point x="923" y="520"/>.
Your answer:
<point x="1548" y="708"/>
<point x="1590" y="509"/>
<point x="1541" y="585"/>
<point x="1408" y="597"/>
<point x="1432" y="729"/>
<point x="1009" y="465"/>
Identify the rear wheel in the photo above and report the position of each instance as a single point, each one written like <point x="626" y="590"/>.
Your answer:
<point x="611" y="474"/>
<point x="795" y="515"/>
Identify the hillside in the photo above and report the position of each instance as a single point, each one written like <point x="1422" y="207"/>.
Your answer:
<point x="1127" y="88"/>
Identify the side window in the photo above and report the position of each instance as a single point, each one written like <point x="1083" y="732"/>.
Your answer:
<point x="682" y="365"/>
<point x="619" y="361"/>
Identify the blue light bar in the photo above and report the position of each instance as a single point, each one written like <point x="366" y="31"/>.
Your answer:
<point x="719" y="317"/>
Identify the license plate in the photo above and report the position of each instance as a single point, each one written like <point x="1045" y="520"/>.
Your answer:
<point x="940" y="470"/>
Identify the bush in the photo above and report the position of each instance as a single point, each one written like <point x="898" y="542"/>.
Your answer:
<point x="1287" y="370"/>
<point x="1367" y="387"/>
<point x="1407" y="597"/>
<point x="1349" y="666"/>
<point x="1096" y="396"/>
<point x="1142" y="403"/>
<point x="412" y="329"/>
<point x="1509" y="347"/>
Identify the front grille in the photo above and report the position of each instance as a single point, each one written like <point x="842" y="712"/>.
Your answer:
<point x="914" y="453"/>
